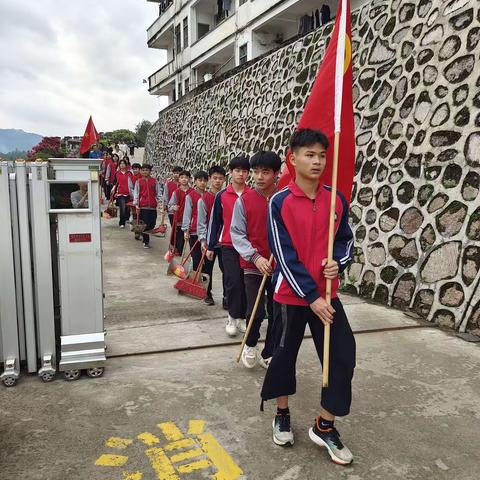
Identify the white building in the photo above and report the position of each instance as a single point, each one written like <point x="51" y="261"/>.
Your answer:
<point x="206" y="38"/>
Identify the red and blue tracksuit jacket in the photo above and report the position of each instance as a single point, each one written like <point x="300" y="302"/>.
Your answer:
<point x="298" y="237"/>
<point x="221" y="217"/>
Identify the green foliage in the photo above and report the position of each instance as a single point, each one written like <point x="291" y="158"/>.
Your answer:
<point x="117" y="136"/>
<point x="141" y="131"/>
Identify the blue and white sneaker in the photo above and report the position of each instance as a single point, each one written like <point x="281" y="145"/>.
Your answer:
<point x="282" y="431"/>
<point x="330" y="439"/>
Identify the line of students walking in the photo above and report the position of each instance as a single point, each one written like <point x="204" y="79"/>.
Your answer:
<point x="243" y="227"/>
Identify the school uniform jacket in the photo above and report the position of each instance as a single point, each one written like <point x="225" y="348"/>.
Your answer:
<point x="178" y="198"/>
<point x="168" y="190"/>
<point x="248" y="229"/>
<point x="147" y="193"/>
<point x="123" y="183"/>
<point x="111" y="170"/>
<point x="204" y="210"/>
<point x="298" y="237"/>
<point x="221" y="218"/>
<point x="190" y="212"/>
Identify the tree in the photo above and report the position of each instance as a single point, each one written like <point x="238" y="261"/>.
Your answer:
<point x="141" y="131"/>
<point x="49" y="147"/>
<point x="117" y="136"/>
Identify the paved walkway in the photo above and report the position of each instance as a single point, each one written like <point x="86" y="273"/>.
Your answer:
<point x="194" y="414"/>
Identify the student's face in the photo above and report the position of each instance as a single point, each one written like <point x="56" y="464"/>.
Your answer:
<point x="183" y="180"/>
<point x="83" y="187"/>
<point x="136" y="170"/>
<point x="217" y="180"/>
<point x="175" y="176"/>
<point x="309" y="162"/>
<point x="264" y="178"/>
<point x="123" y="166"/>
<point x="145" y="172"/>
<point x="239" y="176"/>
<point x="201" y="183"/>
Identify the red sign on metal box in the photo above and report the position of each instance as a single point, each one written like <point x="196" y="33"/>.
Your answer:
<point x="80" y="237"/>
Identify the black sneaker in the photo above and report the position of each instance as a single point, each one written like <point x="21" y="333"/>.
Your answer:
<point x="282" y="431"/>
<point x="209" y="301"/>
<point x="330" y="439"/>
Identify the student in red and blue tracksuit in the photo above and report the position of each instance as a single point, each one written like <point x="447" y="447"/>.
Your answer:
<point x="216" y="176"/>
<point x="123" y="186"/>
<point x="298" y="223"/>
<point x="219" y="232"/>
<point x="190" y="216"/>
<point x="169" y="187"/>
<point x="249" y="237"/>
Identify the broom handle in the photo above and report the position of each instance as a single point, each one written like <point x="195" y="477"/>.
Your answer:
<point x="254" y="311"/>
<point x="199" y="268"/>
<point x="184" y="261"/>
<point x="331" y="239"/>
<point x="173" y="233"/>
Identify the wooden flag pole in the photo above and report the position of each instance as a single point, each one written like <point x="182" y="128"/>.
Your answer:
<point x="254" y="311"/>
<point x="331" y="239"/>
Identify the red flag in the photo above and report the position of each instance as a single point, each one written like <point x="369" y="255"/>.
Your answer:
<point x="90" y="137"/>
<point x="330" y="105"/>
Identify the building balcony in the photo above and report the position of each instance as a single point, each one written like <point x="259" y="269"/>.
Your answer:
<point x="157" y="32"/>
<point x="162" y="76"/>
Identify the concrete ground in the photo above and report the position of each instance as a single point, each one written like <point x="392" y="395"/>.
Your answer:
<point x="189" y="411"/>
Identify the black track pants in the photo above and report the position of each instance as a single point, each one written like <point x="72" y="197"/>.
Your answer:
<point x="290" y="321"/>
<point x="234" y="285"/>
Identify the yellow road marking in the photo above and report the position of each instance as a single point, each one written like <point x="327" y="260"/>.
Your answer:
<point x="148" y="439"/>
<point x="186" y="442"/>
<point x="227" y="468"/>
<point x="132" y="476"/>
<point x="107" y="460"/>
<point x="171" y="431"/>
<point x="191" y="467"/>
<point x="117" y="442"/>
<point x="180" y="457"/>
<point x="196" y="427"/>
<point x="161" y="464"/>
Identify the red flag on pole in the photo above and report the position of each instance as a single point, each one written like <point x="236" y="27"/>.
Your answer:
<point x="329" y="107"/>
<point x="90" y="137"/>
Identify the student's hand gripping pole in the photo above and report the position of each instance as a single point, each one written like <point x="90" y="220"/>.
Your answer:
<point x="255" y="308"/>
<point x="331" y="239"/>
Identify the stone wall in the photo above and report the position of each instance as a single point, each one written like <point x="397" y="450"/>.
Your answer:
<point x="415" y="207"/>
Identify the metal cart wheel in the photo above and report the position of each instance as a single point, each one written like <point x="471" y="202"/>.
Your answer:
<point x="47" y="376"/>
<point x="9" y="380"/>
<point x="95" y="372"/>
<point x="71" y="375"/>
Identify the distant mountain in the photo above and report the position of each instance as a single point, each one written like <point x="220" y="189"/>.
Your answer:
<point x="11" y="140"/>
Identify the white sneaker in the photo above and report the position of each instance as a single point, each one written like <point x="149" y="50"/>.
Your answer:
<point x="122" y="226"/>
<point x="249" y="356"/>
<point x="231" y="327"/>
<point x="282" y="431"/>
<point x="146" y="245"/>
<point x="242" y="325"/>
<point x="264" y="362"/>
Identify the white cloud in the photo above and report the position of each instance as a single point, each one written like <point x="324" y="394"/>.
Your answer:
<point x="64" y="60"/>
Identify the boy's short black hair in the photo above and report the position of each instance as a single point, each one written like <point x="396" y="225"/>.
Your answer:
<point x="200" y="174"/>
<point x="306" y="137"/>
<point x="136" y="165"/>
<point x="217" y="169"/>
<point x="147" y="166"/>
<point x="177" y="169"/>
<point x="185" y="172"/>
<point x="266" y="159"/>
<point x="240" y="161"/>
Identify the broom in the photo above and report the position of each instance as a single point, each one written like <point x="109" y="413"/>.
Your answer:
<point x="254" y="311"/>
<point x="172" y="262"/>
<point x="179" y="270"/>
<point x="190" y="286"/>
<point x="170" y="254"/>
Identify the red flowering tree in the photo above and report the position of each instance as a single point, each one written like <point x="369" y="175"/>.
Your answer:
<point x="49" y="147"/>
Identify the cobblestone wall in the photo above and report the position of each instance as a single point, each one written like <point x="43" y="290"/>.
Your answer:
<point x="415" y="206"/>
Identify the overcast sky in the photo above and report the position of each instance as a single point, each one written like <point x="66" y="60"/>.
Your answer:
<point x="63" y="60"/>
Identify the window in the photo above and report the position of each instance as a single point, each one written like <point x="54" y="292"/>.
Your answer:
<point x="242" y="54"/>
<point x="185" y="32"/>
<point x="186" y="86"/>
<point x="202" y="29"/>
<point x="178" y="39"/>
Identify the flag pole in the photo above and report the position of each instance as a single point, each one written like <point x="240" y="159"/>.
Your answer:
<point x="331" y="239"/>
